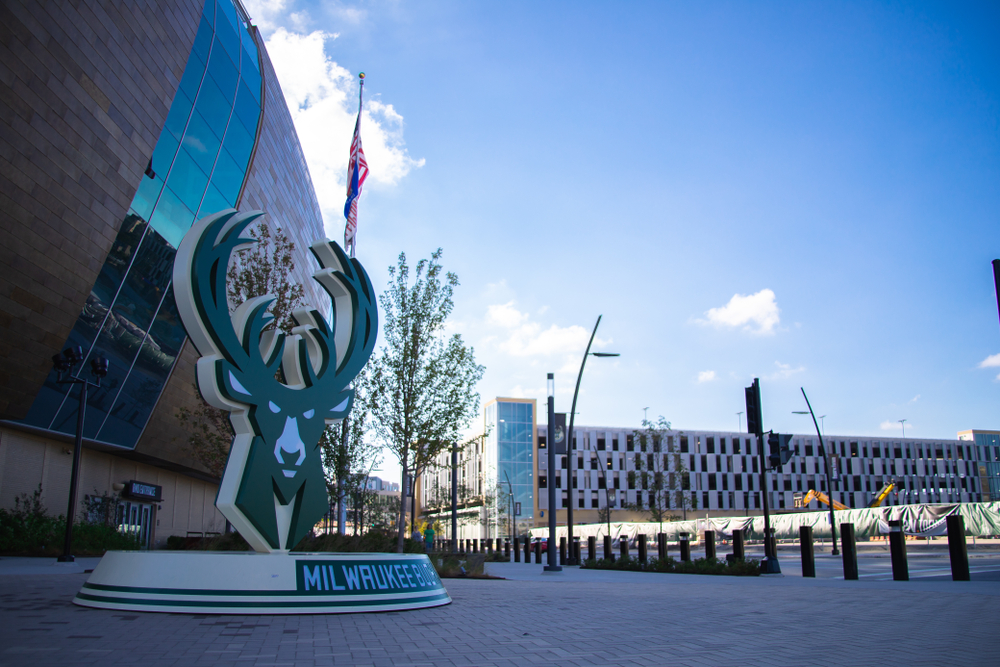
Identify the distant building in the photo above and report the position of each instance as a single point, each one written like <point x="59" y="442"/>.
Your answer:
<point x="378" y="484"/>
<point x="988" y="456"/>
<point x="707" y="473"/>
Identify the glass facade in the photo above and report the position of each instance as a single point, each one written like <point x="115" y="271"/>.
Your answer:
<point x="198" y="167"/>
<point x="511" y="437"/>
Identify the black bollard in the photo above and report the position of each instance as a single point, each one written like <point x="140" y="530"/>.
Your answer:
<point x="527" y="550"/>
<point x="661" y="546"/>
<point x="738" y="552"/>
<point x="506" y="548"/>
<point x="850" y="550"/>
<point x="576" y="551"/>
<point x="517" y="549"/>
<point x="489" y="545"/>
<point x="806" y="547"/>
<point x="475" y="546"/>
<point x="607" y="549"/>
<point x="685" y="539"/>
<point x="562" y="550"/>
<point x="538" y="552"/>
<point x="897" y="549"/>
<point x="772" y="544"/>
<point x="642" y="549"/>
<point x="623" y="546"/>
<point x="454" y="546"/>
<point x="957" y="549"/>
<point x="709" y="544"/>
<point x="592" y="548"/>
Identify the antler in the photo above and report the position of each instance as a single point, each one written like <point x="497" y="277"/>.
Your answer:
<point x="318" y="358"/>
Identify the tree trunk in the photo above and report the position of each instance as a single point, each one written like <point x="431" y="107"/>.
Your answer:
<point x="401" y="528"/>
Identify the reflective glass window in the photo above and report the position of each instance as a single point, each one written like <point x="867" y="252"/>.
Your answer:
<point x="187" y="180"/>
<point x="226" y="33"/>
<point x="213" y="202"/>
<point x="201" y="143"/>
<point x="214" y="107"/>
<point x="247" y="109"/>
<point x="203" y="40"/>
<point x="249" y="52"/>
<point x="146" y="196"/>
<point x="252" y="79"/>
<point x="164" y="153"/>
<point x="192" y="76"/>
<point x="171" y="217"/>
<point x="238" y="142"/>
<point x="224" y="72"/>
<point x="177" y="118"/>
<point x="209" y="12"/>
<point x="228" y="176"/>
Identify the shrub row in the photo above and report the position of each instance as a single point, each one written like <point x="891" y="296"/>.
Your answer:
<point x="374" y="541"/>
<point x="739" y="568"/>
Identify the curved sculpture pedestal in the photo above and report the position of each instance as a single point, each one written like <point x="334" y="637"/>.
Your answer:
<point x="221" y="582"/>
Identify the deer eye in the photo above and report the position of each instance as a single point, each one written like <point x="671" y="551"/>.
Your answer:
<point x="308" y="414"/>
<point x="273" y="407"/>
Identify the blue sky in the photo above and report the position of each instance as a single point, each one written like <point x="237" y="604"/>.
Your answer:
<point x="836" y="164"/>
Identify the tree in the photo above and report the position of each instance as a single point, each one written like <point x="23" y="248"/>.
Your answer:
<point x="348" y="457"/>
<point x="264" y="268"/>
<point x="422" y="383"/>
<point x="652" y="469"/>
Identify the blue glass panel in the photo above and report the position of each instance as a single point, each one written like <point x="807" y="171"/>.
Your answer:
<point x="92" y="316"/>
<point x="523" y="412"/>
<point x="252" y="79"/>
<point x="203" y="40"/>
<point x="187" y="180"/>
<point x="214" y="202"/>
<point x="201" y="142"/>
<point x="214" y="106"/>
<point x="238" y="143"/>
<point x="249" y="51"/>
<point x="247" y="109"/>
<point x="171" y="218"/>
<point x="228" y="177"/>
<point x="226" y="8"/>
<point x="135" y="402"/>
<point x="192" y="76"/>
<point x="505" y="451"/>
<point x="180" y="109"/>
<point x="226" y="33"/>
<point x="209" y="11"/>
<point x="224" y="72"/>
<point x="146" y="196"/>
<point x="507" y="412"/>
<point x="125" y="327"/>
<point x="163" y="154"/>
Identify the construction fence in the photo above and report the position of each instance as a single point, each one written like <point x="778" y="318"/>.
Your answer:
<point x="981" y="520"/>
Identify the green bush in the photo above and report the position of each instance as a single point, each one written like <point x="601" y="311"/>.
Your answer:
<point x="459" y="565"/>
<point x="28" y="530"/>
<point x="740" y="568"/>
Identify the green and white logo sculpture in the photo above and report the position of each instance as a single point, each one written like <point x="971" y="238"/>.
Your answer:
<point x="273" y="490"/>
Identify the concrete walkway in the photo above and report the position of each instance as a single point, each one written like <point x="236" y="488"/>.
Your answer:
<point x="574" y="618"/>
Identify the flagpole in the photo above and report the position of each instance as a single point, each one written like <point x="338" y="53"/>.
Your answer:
<point x="361" y="94"/>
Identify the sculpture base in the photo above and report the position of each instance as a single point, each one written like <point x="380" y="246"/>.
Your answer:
<point x="221" y="582"/>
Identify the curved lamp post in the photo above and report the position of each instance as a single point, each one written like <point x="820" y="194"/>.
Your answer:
<point x="826" y="466"/>
<point x="64" y="364"/>
<point x="569" y="444"/>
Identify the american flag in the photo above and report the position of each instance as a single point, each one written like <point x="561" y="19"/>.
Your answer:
<point x="357" y="172"/>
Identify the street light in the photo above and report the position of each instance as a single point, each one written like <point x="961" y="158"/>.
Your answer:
<point x="902" y="422"/>
<point x="569" y="443"/>
<point x="551" y="548"/>
<point x="64" y="364"/>
<point x="826" y="467"/>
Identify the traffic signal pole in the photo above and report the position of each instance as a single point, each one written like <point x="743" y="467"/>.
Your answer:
<point x="755" y="425"/>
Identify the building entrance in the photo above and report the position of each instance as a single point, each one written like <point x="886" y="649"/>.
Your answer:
<point x="136" y="519"/>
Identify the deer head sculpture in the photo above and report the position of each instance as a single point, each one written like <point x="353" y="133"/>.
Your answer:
<point x="273" y="489"/>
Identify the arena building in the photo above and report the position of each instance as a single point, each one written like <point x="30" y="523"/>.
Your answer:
<point x="123" y="123"/>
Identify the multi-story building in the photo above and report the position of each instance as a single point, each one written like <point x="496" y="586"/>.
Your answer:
<point x="123" y="123"/>
<point x="988" y="457"/>
<point x="704" y="473"/>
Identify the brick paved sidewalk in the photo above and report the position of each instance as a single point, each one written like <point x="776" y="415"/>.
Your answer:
<point x="631" y="619"/>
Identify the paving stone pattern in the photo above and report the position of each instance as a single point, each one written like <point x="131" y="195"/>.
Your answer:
<point x="640" y="619"/>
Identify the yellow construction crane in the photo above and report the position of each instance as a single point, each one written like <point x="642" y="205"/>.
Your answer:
<point x="823" y="498"/>
<point x="882" y="493"/>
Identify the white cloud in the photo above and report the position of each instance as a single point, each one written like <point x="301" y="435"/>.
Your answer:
<point x="991" y="361"/>
<point x="757" y="313"/>
<point x="266" y="14"/>
<point x="322" y="99"/>
<point x="524" y="338"/>
<point x="784" y="371"/>
<point x="889" y="425"/>
<point x="915" y="398"/>
<point x="706" y="376"/>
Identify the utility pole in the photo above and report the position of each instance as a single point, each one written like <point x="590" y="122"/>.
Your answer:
<point x="755" y="426"/>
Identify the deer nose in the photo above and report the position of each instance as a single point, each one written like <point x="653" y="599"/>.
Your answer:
<point x="290" y="443"/>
